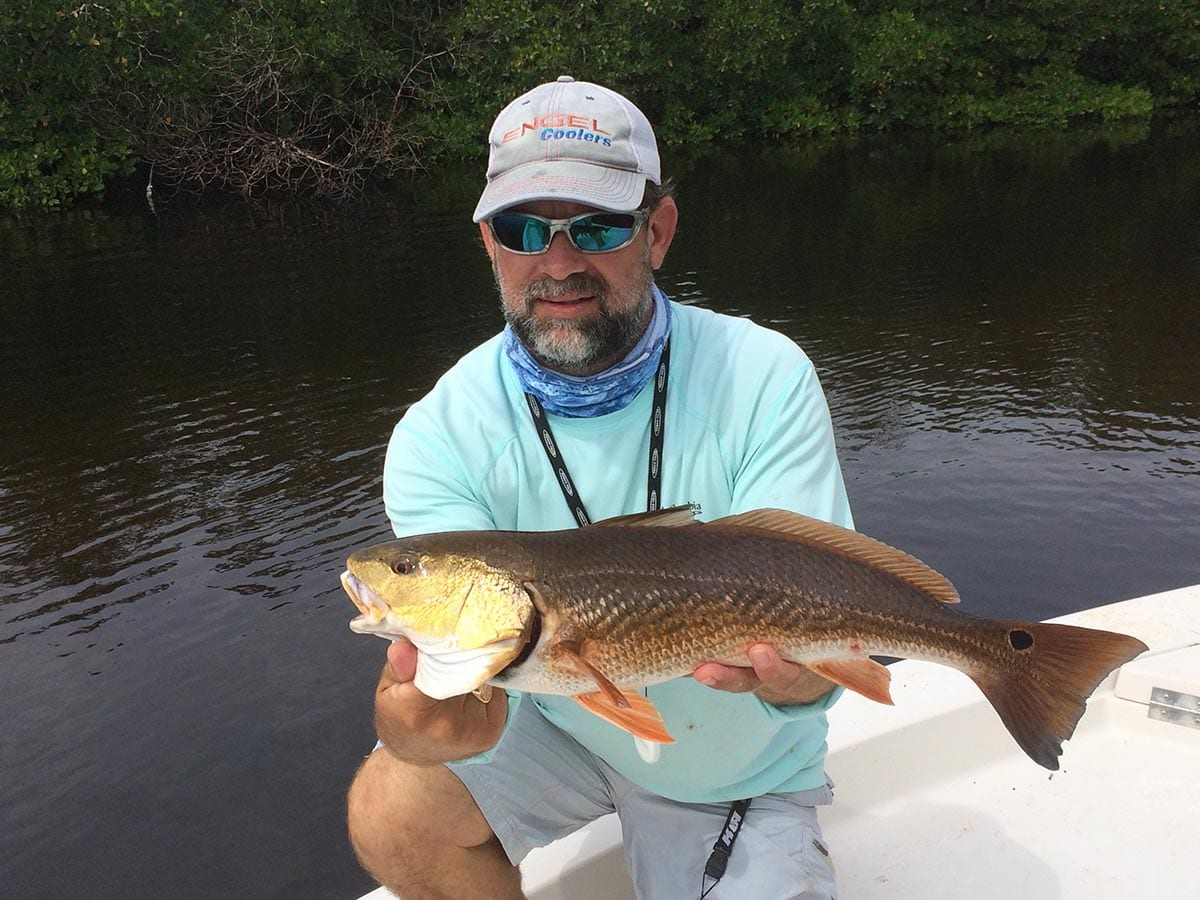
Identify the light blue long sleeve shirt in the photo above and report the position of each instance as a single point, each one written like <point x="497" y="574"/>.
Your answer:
<point x="747" y="427"/>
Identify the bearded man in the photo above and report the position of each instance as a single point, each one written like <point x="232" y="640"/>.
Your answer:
<point x="601" y="398"/>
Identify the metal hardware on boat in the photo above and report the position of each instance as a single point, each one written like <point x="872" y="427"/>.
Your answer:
<point x="1175" y="707"/>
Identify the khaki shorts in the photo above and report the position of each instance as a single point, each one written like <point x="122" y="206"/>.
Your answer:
<point x="542" y="785"/>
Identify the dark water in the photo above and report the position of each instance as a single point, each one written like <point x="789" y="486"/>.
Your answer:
<point x="195" y="407"/>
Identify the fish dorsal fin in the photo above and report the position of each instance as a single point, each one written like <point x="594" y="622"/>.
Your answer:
<point x="828" y="536"/>
<point x="661" y="518"/>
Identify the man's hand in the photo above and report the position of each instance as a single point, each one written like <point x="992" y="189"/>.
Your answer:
<point x="427" y="732"/>
<point x="773" y="680"/>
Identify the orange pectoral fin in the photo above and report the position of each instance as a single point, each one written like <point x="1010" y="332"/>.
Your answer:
<point x="638" y="715"/>
<point x="625" y="709"/>
<point x="863" y="676"/>
<point x="573" y="653"/>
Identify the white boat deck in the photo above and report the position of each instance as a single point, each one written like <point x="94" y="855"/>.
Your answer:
<point x="946" y="806"/>
<point x="934" y="799"/>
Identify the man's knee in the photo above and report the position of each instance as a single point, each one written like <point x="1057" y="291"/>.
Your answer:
<point x="370" y="820"/>
<point x="396" y="812"/>
<point x="418" y="829"/>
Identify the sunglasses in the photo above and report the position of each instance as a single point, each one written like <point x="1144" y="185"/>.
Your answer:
<point x="594" y="232"/>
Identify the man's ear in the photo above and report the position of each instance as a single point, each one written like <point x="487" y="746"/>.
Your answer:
<point x="489" y="243"/>
<point x="662" y="230"/>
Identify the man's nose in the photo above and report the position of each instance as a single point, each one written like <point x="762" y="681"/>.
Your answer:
<point x="562" y="259"/>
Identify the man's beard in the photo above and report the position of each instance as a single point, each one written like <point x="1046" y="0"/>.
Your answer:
<point x="576" y="346"/>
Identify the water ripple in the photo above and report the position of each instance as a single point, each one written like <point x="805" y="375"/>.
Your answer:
<point x="198" y="406"/>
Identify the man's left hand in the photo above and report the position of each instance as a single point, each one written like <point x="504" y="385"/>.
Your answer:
<point x="772" y="679"/>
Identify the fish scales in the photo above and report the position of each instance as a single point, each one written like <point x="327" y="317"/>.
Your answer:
<point x="725" y="590"/>
<point x="599" y="611"/>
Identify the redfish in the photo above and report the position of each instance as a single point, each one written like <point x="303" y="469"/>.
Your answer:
<point x="601" y="611"/>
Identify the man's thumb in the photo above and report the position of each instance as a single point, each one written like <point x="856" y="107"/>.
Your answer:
<point x="402" y="657"/>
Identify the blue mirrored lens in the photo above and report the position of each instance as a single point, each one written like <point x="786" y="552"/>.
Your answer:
<point x="524" y="234"/>
<point x="602" y="232"/>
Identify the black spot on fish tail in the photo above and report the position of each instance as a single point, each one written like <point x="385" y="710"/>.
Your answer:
<point x="1020" y="639"/>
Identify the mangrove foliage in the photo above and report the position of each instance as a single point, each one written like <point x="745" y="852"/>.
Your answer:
<point x="321" y="96"/>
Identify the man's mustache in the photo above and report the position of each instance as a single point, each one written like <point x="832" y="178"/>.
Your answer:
<point x="547" y="288"/>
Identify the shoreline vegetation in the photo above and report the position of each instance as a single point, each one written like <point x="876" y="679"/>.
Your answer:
<point x="326" y="97"/>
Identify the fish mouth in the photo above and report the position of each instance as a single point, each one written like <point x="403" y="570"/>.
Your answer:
<point x="373" y="610"/>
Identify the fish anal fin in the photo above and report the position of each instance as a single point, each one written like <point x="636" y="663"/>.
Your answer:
<point x="659" y="518"/>
<point x="638" y="715"/>
<point x="827" y="536"/>
<point x="572" y="652"/>
<point x="863" y="676"/>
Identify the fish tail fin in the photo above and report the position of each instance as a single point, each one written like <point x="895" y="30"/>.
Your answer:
<point x="1042" y="695"/>
<point x="638" y="716"/>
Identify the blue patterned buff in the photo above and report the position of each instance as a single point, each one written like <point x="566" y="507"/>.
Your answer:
<point x="581" y="397"/>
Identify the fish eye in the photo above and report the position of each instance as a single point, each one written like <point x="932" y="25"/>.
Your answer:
<point x="404" y="566"/>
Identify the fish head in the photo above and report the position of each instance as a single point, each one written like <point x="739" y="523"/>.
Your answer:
<point x="468" y="618"/>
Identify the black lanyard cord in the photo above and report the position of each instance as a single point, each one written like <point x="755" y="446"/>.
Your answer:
<point x="658" y="428"/>
<point x="719" y="858"/>
<point x="565" y="482"/>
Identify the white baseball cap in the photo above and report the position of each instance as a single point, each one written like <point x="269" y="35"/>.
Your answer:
<point x="569" y="140"/>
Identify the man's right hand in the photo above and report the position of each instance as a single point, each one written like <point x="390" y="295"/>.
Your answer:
<point x="426" y="732"/>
